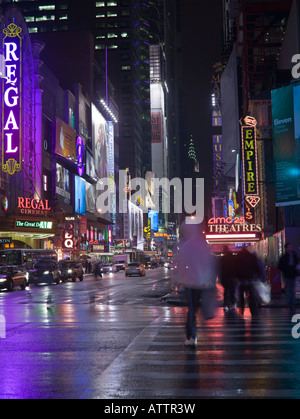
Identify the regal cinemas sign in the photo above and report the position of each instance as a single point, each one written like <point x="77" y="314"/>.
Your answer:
<point x="11" y="101"/>
<point x="33" y="206"/>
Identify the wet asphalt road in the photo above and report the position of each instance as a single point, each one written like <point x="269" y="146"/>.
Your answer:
<point x="115" y="339"/>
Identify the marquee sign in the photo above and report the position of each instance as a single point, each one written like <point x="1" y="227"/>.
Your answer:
<point x="249" y="158"/>
<point x="11" y="101"/>
<point x="233" y="232"/>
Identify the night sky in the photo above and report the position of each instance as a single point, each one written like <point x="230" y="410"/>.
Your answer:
<point x="202" y="23"/>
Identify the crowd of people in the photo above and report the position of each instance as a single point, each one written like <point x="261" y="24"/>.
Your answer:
<point x="240" y="274"/>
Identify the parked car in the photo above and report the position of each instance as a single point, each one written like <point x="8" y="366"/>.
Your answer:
<point x="11" y="277"/>
<point x="120" y="266"/>
<point x="71" y="269"/>
<point x="135" y="268"/>
<point x="46" y="271"/>
<point x="108" y="268"/>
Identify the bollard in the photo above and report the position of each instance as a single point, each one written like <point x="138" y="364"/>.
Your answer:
<point x="2" y="327"/>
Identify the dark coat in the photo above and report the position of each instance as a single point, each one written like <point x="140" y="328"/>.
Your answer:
<point x="289" y="271"/>
<point x="227" y="269"/>
<point x="247" y="266"/>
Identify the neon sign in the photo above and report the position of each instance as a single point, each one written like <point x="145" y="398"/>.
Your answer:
<point x="33" y="206"/>
<point x="80" y="156"/>
<point x="249" y="156"/>
<point x="43" y="225"/>
<point x="11" y="103"/>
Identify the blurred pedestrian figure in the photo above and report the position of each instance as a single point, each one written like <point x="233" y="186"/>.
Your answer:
<point x="97" y="270"/>
<point x="248" y="272"/>
<point x="197" y="272"/>
<point x="288" y="266"/>
<point x="228" y="280"/>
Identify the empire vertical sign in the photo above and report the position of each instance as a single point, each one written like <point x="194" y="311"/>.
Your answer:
<point x="249" y="156"/>
<point x="11" y="101"/>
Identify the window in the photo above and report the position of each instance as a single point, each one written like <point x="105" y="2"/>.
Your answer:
<point x="45" y="183"/>
<point x="50" y="7"/>
<point x="100" y="4"/>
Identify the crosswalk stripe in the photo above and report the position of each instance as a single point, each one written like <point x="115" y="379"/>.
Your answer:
<point x="235" y="357"/>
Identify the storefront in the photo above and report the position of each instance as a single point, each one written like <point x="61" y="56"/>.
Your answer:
<point x="21" y="231"/>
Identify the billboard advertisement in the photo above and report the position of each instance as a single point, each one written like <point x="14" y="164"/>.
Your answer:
<point x="80" y="195"/>
<point x="63" y="183"/>
<point x="286" y="141"/>
<point x="66" y="140"/>
<point x="100" y="143"/>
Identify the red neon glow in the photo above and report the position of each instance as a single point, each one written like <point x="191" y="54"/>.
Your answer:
<point x="231" y="236"/>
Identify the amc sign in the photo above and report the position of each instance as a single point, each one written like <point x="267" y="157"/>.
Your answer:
<point x="11" y="101"/>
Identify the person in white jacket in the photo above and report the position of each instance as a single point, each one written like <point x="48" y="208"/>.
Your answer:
<point x="197" y="272"/>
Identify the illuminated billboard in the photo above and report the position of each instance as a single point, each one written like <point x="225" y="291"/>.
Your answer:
<point x="80" y="198"/>
<point x="286" y="143"/>
<point x="100" y="143"/>
<point x="11" y="101"/>
<point x="66" y="139"/>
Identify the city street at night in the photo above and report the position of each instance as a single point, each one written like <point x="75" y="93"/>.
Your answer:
<point x="150" y="202"/>
<point x="115" y="339"/>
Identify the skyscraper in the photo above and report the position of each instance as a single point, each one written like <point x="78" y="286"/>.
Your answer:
<point x="123" y="30"/>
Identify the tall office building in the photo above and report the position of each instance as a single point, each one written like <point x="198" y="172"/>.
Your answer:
<point x="123" y="30"/>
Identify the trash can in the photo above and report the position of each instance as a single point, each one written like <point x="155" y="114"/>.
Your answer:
<point x="274" y="279"/>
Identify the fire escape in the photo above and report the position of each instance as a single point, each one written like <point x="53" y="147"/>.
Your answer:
<point x="260" y="33"/>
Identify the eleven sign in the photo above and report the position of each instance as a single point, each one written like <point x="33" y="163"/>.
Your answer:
<point x="11" y="101"/>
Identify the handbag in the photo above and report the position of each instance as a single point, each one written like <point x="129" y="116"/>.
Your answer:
<point x="263" y="291"/>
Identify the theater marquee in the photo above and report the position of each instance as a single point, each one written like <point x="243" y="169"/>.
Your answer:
<point x="232" y="230"/>
<point x="11" y="101"/>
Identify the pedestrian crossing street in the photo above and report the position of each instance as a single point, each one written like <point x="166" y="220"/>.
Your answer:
<point x="236" y="357"/>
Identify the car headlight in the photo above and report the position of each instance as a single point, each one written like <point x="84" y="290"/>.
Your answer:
<point x="27" y="275"/>
<point x="46" y="273"/>
<point x="3" y="279"/>
<point x="69" y="271"/>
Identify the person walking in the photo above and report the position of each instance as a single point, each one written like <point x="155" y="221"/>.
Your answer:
<point x="288" y="266"/>
<point x="97" y="270"/>
<point x="196" y="271"/>
<point x="228" y="280"/>
<point x="248" y="272"/>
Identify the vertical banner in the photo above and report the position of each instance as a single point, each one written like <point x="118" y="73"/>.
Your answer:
<point x="249" y="158"/>
<point x="156" y="127"/>
<point x="11" y="101"/>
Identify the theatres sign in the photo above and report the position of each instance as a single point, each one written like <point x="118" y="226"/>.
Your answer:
<point x="232" y="230"/>
<point x="11" y="101"/>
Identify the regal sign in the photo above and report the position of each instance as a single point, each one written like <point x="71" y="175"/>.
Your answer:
<point x="11" y="101"/>
<point x="33" y="206"/>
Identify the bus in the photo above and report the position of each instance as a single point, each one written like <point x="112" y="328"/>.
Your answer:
<point x="25" y="259"/>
